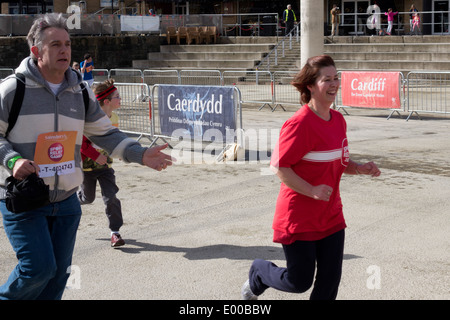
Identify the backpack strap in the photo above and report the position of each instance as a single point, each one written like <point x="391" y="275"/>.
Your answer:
<point x="85" y="97"/>
<point x="18" y="99"/>
<point x="17" y="102"/>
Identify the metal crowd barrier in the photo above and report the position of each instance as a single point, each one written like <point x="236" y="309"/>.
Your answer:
<point x="420" y="92"/>
<point x="402" y="94"/>
<point x="154" y="115"/>
<point x="427" y="92"/>
<point x="127" y="75"/>
<point x="200" y="77"/>
<point x="256" y="86"/>
<point x="247" y="24"/>
<point x="135" y="109"/>
<point x="93" y="24"/>
<point x="284" y="92"/>
<point x="100" y="74"/>
<point x="152" y="77"/>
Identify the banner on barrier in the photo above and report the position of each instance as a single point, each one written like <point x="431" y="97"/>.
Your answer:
<point x="198" y="112"/>
<point x="139" y="23"/>
<point x="371" y="89"/>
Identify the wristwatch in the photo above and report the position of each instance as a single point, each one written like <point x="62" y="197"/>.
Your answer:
<point x="11" y="162"/>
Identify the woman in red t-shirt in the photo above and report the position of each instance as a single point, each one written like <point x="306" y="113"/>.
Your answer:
<point x="310" y="157"/>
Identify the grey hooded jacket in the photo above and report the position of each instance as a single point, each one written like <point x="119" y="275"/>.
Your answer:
<point x="42" y="112"/>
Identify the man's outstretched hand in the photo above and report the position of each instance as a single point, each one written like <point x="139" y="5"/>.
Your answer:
<point x="155" y="159"/>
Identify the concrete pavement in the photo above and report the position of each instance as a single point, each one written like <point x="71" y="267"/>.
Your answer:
<point x="193" y="230"/>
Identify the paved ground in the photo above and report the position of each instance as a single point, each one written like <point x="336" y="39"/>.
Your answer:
<point x="192" y="231"/>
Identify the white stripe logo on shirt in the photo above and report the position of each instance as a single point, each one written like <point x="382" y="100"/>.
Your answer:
<point x="323" y="156"/>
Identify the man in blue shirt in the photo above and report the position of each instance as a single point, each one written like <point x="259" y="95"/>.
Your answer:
<point x="86" y="69"/>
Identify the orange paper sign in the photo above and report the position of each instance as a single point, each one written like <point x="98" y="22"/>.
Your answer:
<point x="55" y="153"/>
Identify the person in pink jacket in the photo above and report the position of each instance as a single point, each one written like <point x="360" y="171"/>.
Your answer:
<point x="390" y="14"/>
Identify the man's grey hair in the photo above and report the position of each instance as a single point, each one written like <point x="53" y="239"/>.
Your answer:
<point x="36" y="34"/>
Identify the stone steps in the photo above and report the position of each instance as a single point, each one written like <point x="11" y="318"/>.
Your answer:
<point x="231" y="47"/>
<point x="389" y="47"/>
<point x="403" y="66"/>
<point x="218" y="56"/>
<point x="194" y="64"/>
<point x="396" y="53"/>
<point x="161" y="56"/>
<point x="391" y="56"/>
<point x="370" y="53"/>
<point x="390" y="53"/>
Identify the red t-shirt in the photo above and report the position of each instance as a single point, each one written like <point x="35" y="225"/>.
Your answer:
<point x="317" y="151"/>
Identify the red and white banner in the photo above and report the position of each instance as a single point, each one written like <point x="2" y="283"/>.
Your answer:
<point x="371" y="89"/>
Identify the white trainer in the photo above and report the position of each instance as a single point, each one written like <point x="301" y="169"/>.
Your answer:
<point x="246" y="292"/>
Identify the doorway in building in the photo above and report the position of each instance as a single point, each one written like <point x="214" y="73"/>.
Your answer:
<point x="354" y="15"/>
<point x="182" y="8"/>
<point x="440" y="16"/>
<point x="25" y="7"/>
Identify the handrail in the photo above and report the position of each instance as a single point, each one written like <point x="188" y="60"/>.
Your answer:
<point x="282" y="43"/>
<point x="124" y="10"/>
<point x="98" y="11"/>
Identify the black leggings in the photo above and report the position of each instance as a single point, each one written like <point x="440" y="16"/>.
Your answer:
<point x="298" y="277"/>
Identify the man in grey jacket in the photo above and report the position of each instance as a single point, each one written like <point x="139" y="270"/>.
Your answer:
<point x="46" y="140"/>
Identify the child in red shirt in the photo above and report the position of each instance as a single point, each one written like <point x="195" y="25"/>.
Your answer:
<point x="97" y="165"/>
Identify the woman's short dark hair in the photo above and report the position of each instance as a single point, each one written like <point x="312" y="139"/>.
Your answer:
<point x="309" y="74"/>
